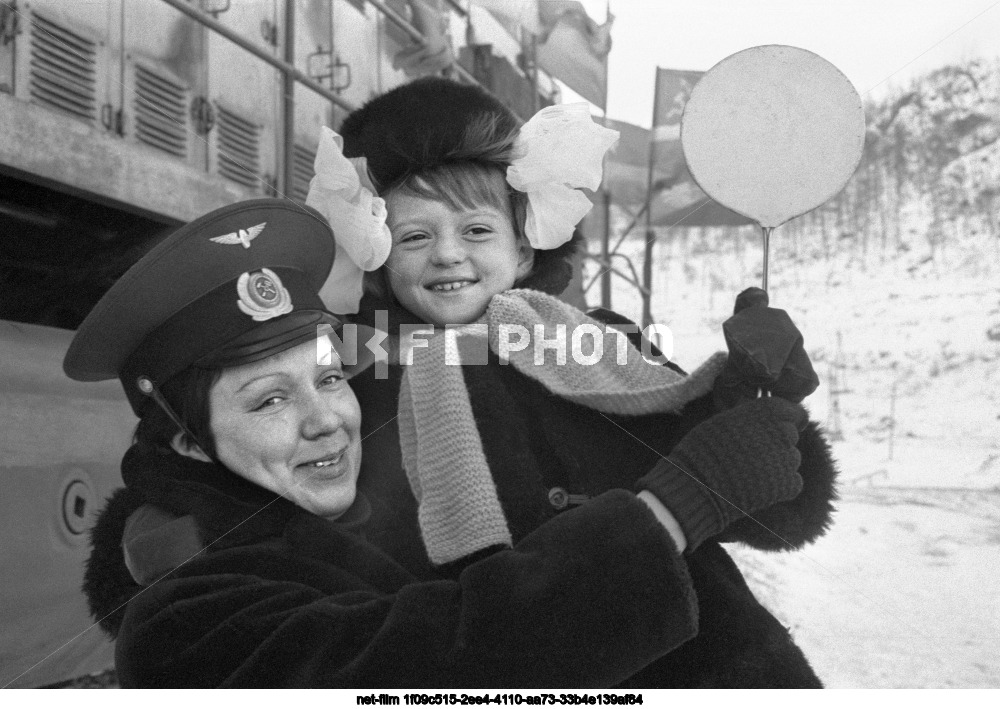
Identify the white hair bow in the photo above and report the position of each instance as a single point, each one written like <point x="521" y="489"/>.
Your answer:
<point x="560" y="149"/>
<point x="343" y="193"/>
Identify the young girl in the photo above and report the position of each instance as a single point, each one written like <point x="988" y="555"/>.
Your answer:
<point x="478" y="205"/>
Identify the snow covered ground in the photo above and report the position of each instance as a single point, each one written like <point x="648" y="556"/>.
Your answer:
<point x="904" y="591"/>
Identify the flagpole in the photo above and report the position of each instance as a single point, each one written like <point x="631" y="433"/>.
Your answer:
<point x="605" y="194"/>
<point x="647" y="264"/>
<point x="529" y="49"/>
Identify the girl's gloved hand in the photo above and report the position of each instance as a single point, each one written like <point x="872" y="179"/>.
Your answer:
<point x="731" y="465"/>
<point x="766" y="353"/>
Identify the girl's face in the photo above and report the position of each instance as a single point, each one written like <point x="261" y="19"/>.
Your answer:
<point x="291" y="426"/>
<point x="446" y="264"/>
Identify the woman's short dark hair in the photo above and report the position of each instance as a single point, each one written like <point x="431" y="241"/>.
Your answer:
<point x="188" y="395"/>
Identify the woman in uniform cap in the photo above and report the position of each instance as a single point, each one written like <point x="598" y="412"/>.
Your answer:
<point x="229" y="299"/>
<point x="236" y="553"/>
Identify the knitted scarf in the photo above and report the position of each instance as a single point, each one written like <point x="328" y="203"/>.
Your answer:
<point x="458" y="508"/>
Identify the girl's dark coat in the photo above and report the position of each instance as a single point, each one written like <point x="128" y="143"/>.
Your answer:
<point x="535" y="441"/>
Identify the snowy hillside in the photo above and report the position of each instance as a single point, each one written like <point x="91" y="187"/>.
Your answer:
<point x="909" y="357"/>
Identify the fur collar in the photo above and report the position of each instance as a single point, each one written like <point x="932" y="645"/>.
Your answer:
<point x="228" y="511"/>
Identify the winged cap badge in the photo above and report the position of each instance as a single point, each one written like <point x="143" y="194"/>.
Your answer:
<point x="262" y="296"/>
<point x="242" y="236"/>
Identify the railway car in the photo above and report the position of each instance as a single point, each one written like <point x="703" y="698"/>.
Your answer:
<point x="119" y="120"/>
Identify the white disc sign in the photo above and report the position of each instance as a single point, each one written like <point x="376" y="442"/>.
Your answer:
<point x="772" y="132"/>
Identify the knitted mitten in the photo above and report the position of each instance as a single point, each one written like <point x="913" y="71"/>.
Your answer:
<point x="733" y="464"/>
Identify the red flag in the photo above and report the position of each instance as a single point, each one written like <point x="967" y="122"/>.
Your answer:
<point x="571" y="46"/>
<point x="675" y="198"/>
<point x="574" y="49"/>
<point x="626" y="167"/>
<point x="513" y="14"/>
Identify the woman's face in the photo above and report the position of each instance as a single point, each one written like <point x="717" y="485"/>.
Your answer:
<point x="291" y="426"/>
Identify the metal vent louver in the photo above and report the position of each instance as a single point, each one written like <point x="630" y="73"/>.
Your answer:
<point x="239" y="148"/>
<point x="61" y="68"/>
<point x="160" y="115"/>
<point x="304" y="159"/>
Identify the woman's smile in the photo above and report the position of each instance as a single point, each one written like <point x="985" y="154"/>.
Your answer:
<point x="327" y="468"/>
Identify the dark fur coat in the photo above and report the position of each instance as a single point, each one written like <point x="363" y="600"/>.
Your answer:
<point x="273" y="596"/>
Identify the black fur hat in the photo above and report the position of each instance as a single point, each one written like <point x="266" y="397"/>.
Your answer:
<point x="425" y="124"/>
<point x="432" y="122"/>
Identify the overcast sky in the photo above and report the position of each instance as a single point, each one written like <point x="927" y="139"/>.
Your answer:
<point x="876" y="43"/>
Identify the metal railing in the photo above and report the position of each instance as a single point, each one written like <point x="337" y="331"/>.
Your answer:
<point x="290" y="74"/>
